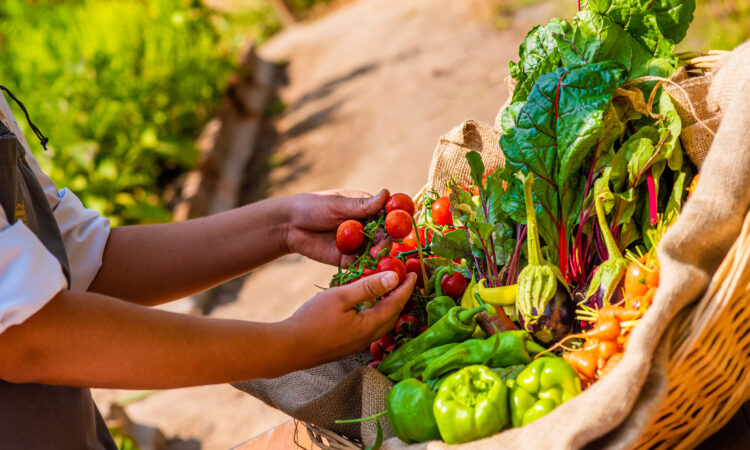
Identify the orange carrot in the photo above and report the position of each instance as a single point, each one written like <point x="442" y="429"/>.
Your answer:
<point x="584" y="362"/>
<point x="606" y="329"/>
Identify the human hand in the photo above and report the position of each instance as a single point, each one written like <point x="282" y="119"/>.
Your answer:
<point x="328" y="327"/>
<point x="314" y="218"/>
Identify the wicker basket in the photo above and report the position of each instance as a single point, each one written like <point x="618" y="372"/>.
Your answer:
<point x="712" y="337"/>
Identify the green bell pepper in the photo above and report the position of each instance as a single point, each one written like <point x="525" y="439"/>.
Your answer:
<point x="499" y="350"/>
<point x="456" y="326"/>
<point x="409" y="405"/>
<point x="441" y="304"/>
<point x="471" y="404"/>
<point x="510" y="373"/>
<point x="415" y="367"/>
<point x="542" y="386"/>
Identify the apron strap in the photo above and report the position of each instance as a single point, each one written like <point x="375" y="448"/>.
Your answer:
<point x="42" y="138"/>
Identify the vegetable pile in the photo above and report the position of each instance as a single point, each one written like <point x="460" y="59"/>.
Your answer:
<point x="532" y="278"/>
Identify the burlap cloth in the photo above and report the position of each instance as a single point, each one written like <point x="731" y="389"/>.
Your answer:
<point x="614" y="411"/>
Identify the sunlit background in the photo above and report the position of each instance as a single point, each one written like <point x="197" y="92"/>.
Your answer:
<point x="123" y="87"/>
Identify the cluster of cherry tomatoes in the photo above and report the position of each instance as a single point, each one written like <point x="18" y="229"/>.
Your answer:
<point x="407" y="243"/>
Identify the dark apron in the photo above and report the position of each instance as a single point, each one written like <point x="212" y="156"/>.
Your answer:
<point x="37" y="416"/>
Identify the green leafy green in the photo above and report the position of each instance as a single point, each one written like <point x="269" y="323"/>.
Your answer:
<point x="596" y="37"/>
<point x="672" y="17"/>
<point x="538" y="55"/>
<point x="454" y="244"/>
<point x="554" y="132"/>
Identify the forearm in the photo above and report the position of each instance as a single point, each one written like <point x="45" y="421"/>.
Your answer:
<point x="151" y="264"/>
<point x="85" y="339"/>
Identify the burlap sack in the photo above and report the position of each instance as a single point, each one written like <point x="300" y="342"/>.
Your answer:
<point x="449" y="161"/>
<point x="699" y="121"/>
<point x="613" y="412"/>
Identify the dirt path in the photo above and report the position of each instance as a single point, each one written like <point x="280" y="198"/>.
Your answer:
<point x="372" y="87"/>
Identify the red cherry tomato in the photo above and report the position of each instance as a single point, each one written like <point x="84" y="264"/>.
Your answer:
<point x="367" y="272"/>
<point x="411" y="239"/>
<point x="398" y="248"/>
<point x="407" y="323"/>
<point x="413" y="265"/>
<point x="400" y="201"/>
<point x="441" y="211"/>
<point x="453" y="285"/>
<point x="398" y="224"/>
<point x="378" y="347"/>
<point x="391" y="263"/>
<point x="374" y="364"/>
<point x="349" y="237"/>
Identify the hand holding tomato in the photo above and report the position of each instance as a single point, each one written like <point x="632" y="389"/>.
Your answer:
<point x="313" y="220"/>
<point x="328" y="327"/>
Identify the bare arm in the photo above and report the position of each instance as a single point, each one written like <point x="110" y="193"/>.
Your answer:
<point x="152" y="264"/>
<point x="87" y="339"/>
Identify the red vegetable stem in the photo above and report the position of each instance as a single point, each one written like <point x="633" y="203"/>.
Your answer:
<point x="652" y="197"/>
<point x="563" y="256"/>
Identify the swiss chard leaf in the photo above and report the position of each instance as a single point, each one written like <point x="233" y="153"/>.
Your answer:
<point x="555" y="131"/>
<point x="671" y="127"/>
<point x="538" y="55"/>
<point x="596" y="37"/>
<point x="454" y="244"/>
<point x="672" y="17"/>
<point x="477" y="167"/>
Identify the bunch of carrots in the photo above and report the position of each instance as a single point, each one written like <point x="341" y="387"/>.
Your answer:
<point x="603" y="345"/>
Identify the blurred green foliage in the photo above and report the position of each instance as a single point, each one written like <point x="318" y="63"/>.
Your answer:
<point x="122" y="88"/>
<point x="303" y="5"/>
<point x="718" y="25"/>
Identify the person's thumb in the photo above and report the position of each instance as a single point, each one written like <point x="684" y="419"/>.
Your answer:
<point x="359" y="208"/>
<point x="368" y="288"/>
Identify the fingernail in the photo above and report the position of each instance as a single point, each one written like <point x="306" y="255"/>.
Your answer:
<point x="389" y="280"/>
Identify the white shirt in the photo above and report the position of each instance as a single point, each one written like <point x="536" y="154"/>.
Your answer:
<point x="30" y="275"/>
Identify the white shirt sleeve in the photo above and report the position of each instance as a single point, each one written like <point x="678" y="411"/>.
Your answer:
<point x="30" y="275"/>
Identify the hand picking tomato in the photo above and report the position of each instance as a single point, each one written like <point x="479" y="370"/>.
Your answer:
<point x="398" y="224"/>
<point x="378" y="347"/>
<point x="391" y="263"/>
<point x="408" y="323"/>
<point x="453" y="285"/>
<point x="349" y="237"/>
<point x="441" y="211"/>
<point x="400" y="201"/>
<point x="411" y="239"/>
<point x="413" y="265"/>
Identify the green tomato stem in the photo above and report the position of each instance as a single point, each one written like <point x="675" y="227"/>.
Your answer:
<point x="425" y="278"/>
<point x="364" y="419"/>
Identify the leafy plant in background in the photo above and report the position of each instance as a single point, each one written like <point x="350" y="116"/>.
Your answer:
<point x="122" y="88"/>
